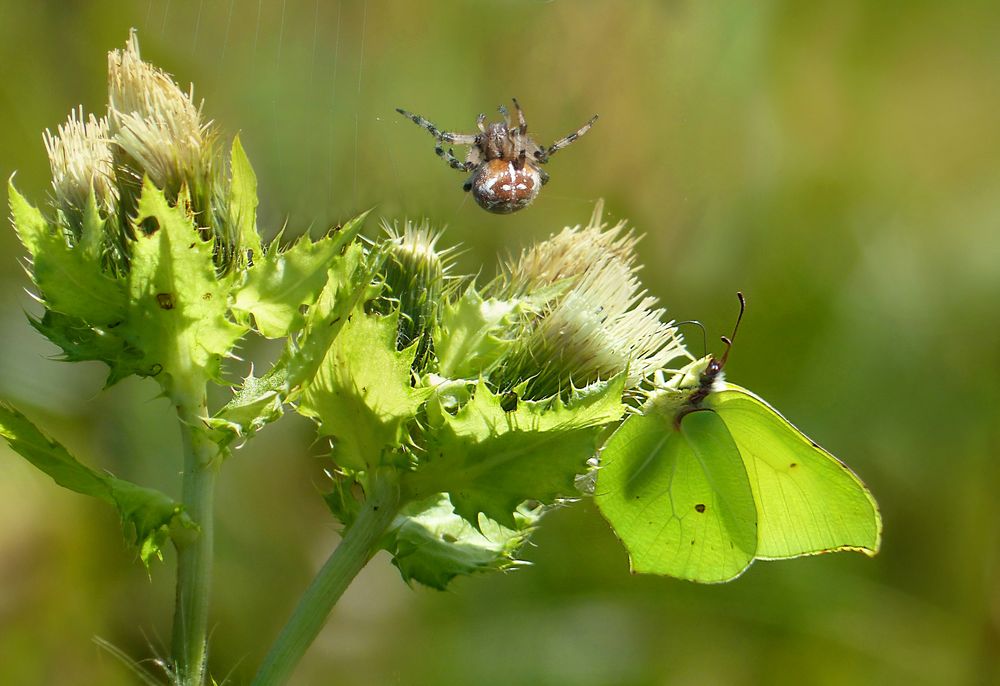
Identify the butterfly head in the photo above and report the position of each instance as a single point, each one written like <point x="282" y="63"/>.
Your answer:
<point x="711" y="377"/>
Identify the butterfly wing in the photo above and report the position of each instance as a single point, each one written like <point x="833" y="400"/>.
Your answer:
<point x="679" y="500"/>
<point x="807" y="500"/>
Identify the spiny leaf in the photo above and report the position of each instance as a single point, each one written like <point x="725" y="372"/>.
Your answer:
<point x="243" y="199"/>
<point x="69" y="277"/>
<point x="93" y="232"/>
<point x="472" y="335"/>
<point x="432" y="545"/>
<point x="282" y="283"/>
<point x="178" y="304"/>
<point x="256" y="403"/>
<point x="152" y="515"/>
<point x="348" y="285"/>
<point x="491" y="459"/>
<point x="80" y="341"/>
<point x="260" y="400"/>
<point x="362" y="393"/>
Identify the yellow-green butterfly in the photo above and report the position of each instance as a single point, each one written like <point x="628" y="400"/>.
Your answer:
<point x="709" y="477"/>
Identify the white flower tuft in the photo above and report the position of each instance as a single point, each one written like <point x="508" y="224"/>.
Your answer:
<point x="81" y="162"/>
<point x="602" y="325"/>
<point x="155" y="124"/>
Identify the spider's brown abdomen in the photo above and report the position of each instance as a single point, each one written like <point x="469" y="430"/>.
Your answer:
<point x="503" y="186"/>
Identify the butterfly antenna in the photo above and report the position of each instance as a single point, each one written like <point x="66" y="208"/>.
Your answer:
<point x="704" y="334"/>
<point x="729" y="341"/>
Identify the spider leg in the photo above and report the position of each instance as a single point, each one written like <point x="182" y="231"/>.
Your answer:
<point x="453" y="162"/>
<point x="472" y="160"/>
<point x="544" y="155"/>
<point x="446" y="136"/>
<point x="522" y="122"/>
<point x="481" y="122"/>
<point x="506" y="115"/>
<point x="536" y="151"/>
<point x="544" y="176"/>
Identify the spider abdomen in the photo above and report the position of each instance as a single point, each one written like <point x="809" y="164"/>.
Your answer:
<point x="503" y="186"/>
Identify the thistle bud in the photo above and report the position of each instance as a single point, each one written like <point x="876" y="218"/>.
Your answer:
<point x="82" y="165"/>
<point x="416" y="275"/>
<point x="601" y="325"/>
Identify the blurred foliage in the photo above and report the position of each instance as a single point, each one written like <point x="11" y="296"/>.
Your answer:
<point x="836" y="161"/>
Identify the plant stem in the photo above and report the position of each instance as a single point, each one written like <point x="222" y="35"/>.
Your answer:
<point x="359" y="544"/>
<point x="194" y="558"/>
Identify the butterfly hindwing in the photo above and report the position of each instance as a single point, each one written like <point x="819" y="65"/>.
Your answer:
<point x="807" y="501"/>
<point x="679" y="497"/>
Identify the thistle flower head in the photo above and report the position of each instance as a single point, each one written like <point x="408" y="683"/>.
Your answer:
<point x="569" y="254"/>
<point x="157" y="128"/>
<point x="603" y="324"/>
<point x="81" y="164"/>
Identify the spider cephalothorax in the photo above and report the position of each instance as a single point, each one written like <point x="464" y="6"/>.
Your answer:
<point x="504" y="159"/>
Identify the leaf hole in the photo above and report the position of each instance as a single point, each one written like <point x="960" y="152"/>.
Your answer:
<point x="700" y="507"/>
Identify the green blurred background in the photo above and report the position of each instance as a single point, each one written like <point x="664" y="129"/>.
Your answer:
<point x="837" y="161"/>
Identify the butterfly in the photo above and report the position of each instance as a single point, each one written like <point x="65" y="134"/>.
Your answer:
<point x="708" y="477"/>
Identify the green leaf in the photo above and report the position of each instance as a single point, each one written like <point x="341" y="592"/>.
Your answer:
<point x="491" y="460"/>
<point x="807" y="500"/>
<point x="70" y="278"/>
<point x="260" y="400"/>
<point x="84" y="306"/>
<point x="93" y="232"/>
<point x="362" y="393"/>
<point x="349" y="283"/>
<point x="432" y="545"/>
<point x="177" y="303"/>
<point x="473" y="334"/>
<point x="679" y="499"/>
<point x="80" y="341"/>
<point x="282" y="283"/>
<point x="243" y="199"/>
<point x="150" y="514"/>
<point x="256" y="403"/>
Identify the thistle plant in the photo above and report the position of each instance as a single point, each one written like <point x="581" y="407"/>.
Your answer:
<point x="457" y="413"/>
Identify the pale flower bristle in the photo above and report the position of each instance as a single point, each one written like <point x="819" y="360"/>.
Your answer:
<point x="603" y="325"/>
<point x="154" y="122"/>
<point x="81" y="161"/>
<point x="570" y="253"/>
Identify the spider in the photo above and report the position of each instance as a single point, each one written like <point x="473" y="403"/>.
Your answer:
<point x="504" y="159"/>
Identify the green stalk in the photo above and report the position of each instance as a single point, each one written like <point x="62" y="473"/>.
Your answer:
<point x="360" y="543"/>
<point x="194" y="557"/>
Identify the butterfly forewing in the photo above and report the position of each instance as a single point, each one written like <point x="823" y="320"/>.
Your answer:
<point x="807" y="501"/>
<point x="679" y="499"/>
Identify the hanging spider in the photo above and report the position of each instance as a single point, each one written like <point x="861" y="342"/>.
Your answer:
<point x="504" y="159"/>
